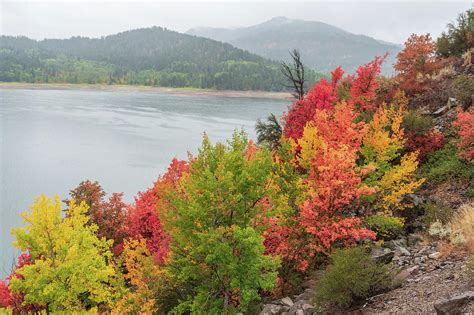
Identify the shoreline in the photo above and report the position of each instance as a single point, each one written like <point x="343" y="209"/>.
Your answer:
<point x="143" y="88"/>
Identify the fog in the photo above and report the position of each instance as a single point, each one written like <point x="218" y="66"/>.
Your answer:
<point x="385" y="20"/>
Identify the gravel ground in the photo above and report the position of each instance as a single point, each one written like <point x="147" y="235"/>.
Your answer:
<point x="422" y="290"/>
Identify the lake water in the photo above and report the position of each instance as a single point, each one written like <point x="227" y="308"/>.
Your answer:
<point x="51" y="140"/>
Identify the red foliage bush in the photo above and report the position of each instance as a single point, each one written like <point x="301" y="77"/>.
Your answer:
<point x="465" y="124"/>
<point x="324" y="95"/>
<point x="321" y="96"/>
<point x="424" y="143"/>
<point x="365" y="84"/>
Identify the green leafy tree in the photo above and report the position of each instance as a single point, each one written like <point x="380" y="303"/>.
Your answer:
<point x="217" y="243"/>
<point x="459" y="36"/>
<point x="71" y="268"/>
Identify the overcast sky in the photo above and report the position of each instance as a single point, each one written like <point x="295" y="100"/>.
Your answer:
<point x="387" y="20"/>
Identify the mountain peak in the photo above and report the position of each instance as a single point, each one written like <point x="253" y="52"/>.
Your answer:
<point x="279" y="19"/>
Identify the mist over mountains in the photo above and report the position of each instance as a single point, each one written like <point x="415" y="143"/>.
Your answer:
<point x="323" y="47"/>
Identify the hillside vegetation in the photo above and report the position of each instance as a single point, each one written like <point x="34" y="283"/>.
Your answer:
<point x="357" y="165"/>
<point x="153" y="56"/>
<point x="323" y="46"/>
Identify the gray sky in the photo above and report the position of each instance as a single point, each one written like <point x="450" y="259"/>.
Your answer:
<point x="392" y="21"/>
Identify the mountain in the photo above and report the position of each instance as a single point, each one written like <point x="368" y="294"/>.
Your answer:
<point x="322" y="46"/>
<point x="149" y="56"/>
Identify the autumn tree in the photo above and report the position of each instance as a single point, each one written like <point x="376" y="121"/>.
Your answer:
<point x="91" y="193"/>
<point x="416" y="60"/>
<point x="109" y="215"/>
<point x="322" y="95"/>
<point x="143" y="222"/>
<point x="71" y="267"/>
<point x="334" y="179"/>
<point x="365" y="84"/>
<point x="217" y="245"/>
<point x="143" y="277"/>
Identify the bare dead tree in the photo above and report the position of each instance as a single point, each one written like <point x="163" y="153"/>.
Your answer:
<point x="294" y="72"/>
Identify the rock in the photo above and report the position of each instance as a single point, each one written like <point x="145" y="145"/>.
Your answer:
<point x="403" y="251"/>
<point x="454" y="304"/>
<point x="452" y="102"/>
<point x="301" y="307"/>
<point x="405" y="273"/>
<point x="307" y="308"/>
<point x="413" y="199"/>
<point x="414" y="239"/>
<point x="382" y="255"/>
<point x="271" y="309"/>
<point x="435" y="255"/>
<point x="287" y="301"/>
<point x="423" y="250"/>
<point x="441" y="110"/>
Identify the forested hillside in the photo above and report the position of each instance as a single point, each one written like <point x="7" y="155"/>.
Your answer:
<point x="322" y="46"/>
<point x="152" y="56"/>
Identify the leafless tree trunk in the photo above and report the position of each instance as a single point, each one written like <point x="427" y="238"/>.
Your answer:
<point x="294" y="72"/>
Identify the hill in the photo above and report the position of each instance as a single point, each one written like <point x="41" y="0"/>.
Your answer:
<point x="322" y="46"/>
<point x="150" y="56"/>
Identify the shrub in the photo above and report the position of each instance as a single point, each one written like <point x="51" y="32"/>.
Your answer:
<point x="425" y="143"/>
<point x="439" y="231"/>
<point x="463" y="87"/>
<point x="352" y="277"/>
<point x="420" y="135"/>
<point x="436" y="212"/>
<point x="385" y="226"/>
<point x="465" y="124"/>
<point x="445" y="164"/>
<point x="415" y="122"/>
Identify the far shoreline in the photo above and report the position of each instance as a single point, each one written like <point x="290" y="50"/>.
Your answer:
<point x="143" y="88"/>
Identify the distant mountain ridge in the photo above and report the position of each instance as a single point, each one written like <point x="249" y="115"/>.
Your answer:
<point x="148" y="56"/>
<point x="323" y="47"/>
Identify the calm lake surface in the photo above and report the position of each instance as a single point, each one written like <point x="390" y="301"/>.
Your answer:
<point x="51" y="140"/>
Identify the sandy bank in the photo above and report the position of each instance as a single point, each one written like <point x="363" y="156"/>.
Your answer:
<point x="141" y="88"/>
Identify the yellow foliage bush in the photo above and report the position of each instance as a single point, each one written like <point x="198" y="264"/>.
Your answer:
<point x="399" y="181"/>
<point x="382" y="147"/>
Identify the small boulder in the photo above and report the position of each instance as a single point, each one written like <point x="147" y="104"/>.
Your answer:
<point x="405" y="273"/>
<point x="271" y="309"/>
<point x="287" y="301"/>
<point x="454" y="304"/>
<point x="441" y="110"/>
<point x="382" y="255"/>
<point x="435" y="255"/>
